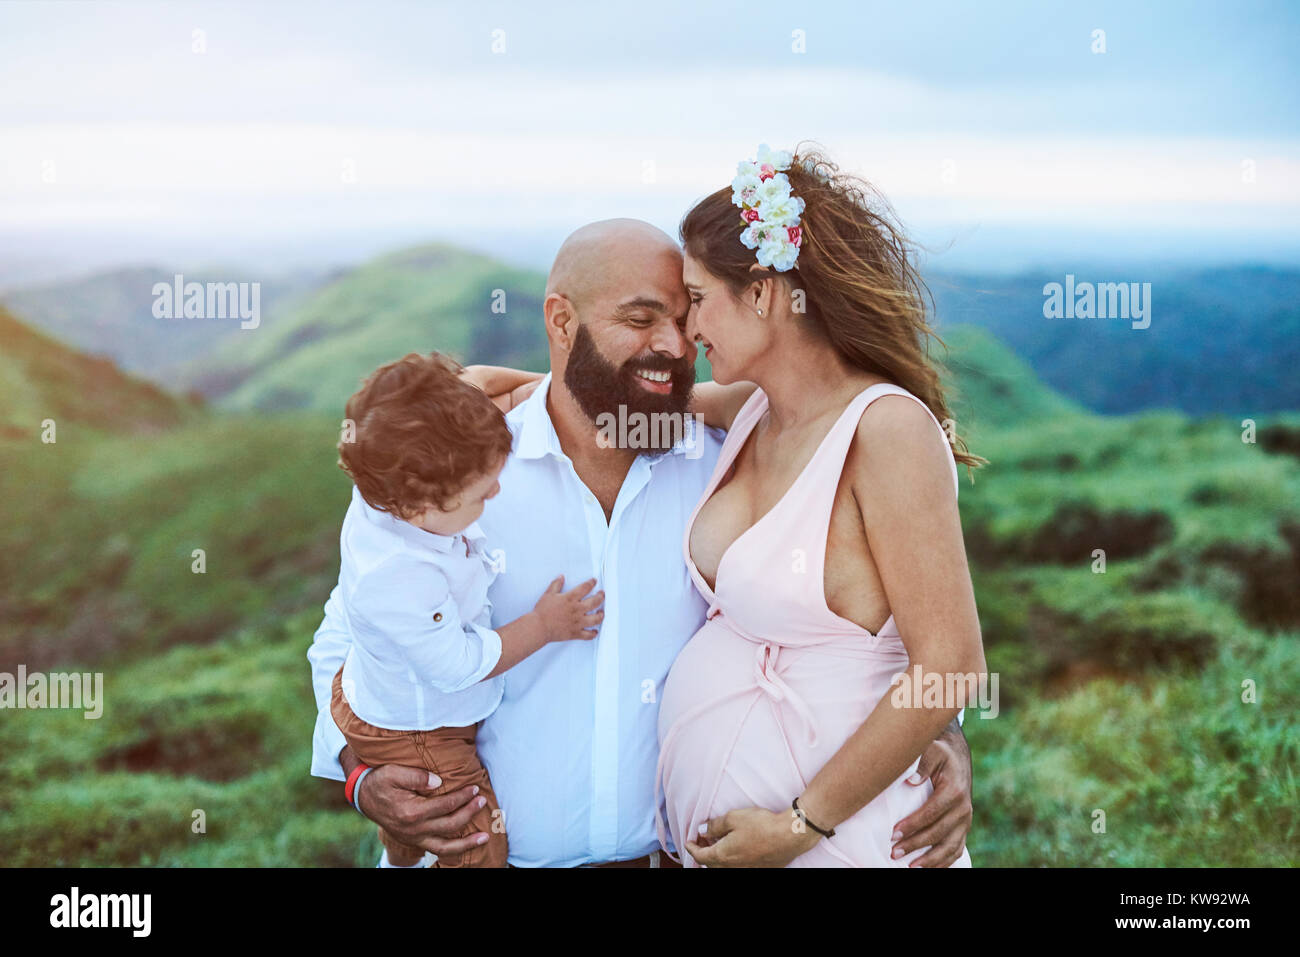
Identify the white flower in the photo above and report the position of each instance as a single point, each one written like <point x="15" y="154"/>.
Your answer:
<point x="744" y="189"/>
<point x="773" y="190"/>
<point x="749" y="236"/>
<point x="778" y="253"/>
<point x="781" y="212"/>
<point x="777" y="159"/>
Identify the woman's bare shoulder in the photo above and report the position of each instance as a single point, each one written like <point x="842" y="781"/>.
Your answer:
<point x="898" y="445"/>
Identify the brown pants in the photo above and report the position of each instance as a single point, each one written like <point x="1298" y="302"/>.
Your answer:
<point x="448" y="753"/>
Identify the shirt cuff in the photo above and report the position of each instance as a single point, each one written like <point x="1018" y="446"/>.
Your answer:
<point x="326" y="744"/>
<point x="491" y="650"/>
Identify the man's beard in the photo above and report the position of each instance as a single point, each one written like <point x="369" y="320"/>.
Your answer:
<point x="600" y="388"/>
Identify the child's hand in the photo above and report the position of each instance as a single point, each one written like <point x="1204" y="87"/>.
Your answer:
<point x="570" y="615"/>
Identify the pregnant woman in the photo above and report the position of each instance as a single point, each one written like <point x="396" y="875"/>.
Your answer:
<point x="827" y="543"/>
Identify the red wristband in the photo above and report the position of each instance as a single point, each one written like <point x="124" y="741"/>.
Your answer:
<point x="351" y="784"/>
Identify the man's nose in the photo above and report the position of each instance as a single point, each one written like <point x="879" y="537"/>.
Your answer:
<point x="669" y="340"/>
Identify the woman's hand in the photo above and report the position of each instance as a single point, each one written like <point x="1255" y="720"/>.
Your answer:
<point x="752" y="837"/>
<point x="505" y="387"/>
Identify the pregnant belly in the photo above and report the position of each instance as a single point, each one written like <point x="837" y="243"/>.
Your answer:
<point x="748" y="724"/>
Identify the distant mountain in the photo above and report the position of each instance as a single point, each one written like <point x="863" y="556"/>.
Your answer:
<point x="420" y="299"/>
<point x="111" y="314"/>
<point x="42" y="379"/>
<point x="1219" y="341"/>
<point x="991" y="387"/>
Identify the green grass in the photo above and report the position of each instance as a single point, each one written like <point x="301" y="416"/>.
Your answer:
<point x="1186" y="774"/>
<point x="102" y="564"/>
<point x="224" y="729"/>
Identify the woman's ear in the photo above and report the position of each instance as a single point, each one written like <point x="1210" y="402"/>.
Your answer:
<point x="761" y="291"/>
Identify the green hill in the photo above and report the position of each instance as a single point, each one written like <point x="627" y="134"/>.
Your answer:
<point x="992" y="387"/>
<point x="42" y="379"/>
<point x="111" y="314"/>
<point x="1223" y="340"/>
<point x="416" y="300"/>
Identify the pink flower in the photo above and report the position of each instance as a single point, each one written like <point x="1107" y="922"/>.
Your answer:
<point x="766" y="171"/>
<point x="749" y="215"/>
<point x="795" y="233"/>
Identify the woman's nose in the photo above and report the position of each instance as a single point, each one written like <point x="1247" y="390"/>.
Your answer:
<point x="692" y="332"/>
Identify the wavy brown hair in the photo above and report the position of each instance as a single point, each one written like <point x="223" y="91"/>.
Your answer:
<point x="862" y="292"/>
<point x="422" y="433"/>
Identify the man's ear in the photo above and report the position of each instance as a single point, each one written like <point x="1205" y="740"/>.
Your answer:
<point x="561" y="320"/>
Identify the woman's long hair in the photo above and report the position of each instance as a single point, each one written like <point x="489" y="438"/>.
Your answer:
<point x="861" y="290"/>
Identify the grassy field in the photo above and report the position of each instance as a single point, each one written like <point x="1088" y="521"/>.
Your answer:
<point x="1122" y="689"/>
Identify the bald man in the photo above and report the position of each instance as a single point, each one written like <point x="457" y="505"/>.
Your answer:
<point x="572" y="747"/>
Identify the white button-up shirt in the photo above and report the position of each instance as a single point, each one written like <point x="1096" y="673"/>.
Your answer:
<point x="416" y="606"/>
<point x="572" y="746"/>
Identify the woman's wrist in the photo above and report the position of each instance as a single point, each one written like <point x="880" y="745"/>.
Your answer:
<point x="802" y="838"/>
<point x="814" y="822"/>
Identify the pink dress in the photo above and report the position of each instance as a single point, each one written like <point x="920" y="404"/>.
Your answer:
<point x="775" y="682"/>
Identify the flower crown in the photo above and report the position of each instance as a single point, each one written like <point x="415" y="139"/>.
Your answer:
<point x="768" y="209"/>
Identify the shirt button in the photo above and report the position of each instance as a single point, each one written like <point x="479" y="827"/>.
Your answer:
<point x="437" y="616"/>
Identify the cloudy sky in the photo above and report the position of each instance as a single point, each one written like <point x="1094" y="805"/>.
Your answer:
<point x="294" y="132"/>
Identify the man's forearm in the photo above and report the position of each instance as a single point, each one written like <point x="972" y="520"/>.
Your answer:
<point x="954" y="733"/>
<point x="349" y="761"/>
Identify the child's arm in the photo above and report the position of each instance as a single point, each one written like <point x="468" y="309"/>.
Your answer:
<point x="501" y="383"/>
<point x="718" y="404"/>
<point x="556" y="617"/>
<point x="406" y="611"/>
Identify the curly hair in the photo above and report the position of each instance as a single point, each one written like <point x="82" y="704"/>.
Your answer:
<point x="862" y="292"/>
<point x="420" y="435"/>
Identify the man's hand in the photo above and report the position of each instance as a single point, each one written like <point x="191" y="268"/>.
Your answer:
<point x="403" y="802"/>
<point x="944" y="820"/>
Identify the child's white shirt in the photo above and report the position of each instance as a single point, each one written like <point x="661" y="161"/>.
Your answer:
<point x="417" y="606"/>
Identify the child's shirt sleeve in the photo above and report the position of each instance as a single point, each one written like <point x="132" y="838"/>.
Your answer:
<point x="404" y="613"/>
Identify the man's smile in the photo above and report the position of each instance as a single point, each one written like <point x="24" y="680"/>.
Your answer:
<point x="659" y="382"/>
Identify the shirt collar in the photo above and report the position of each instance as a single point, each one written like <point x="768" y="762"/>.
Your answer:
<point x="538" y="438"/>
<point x="417" y="536"/>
